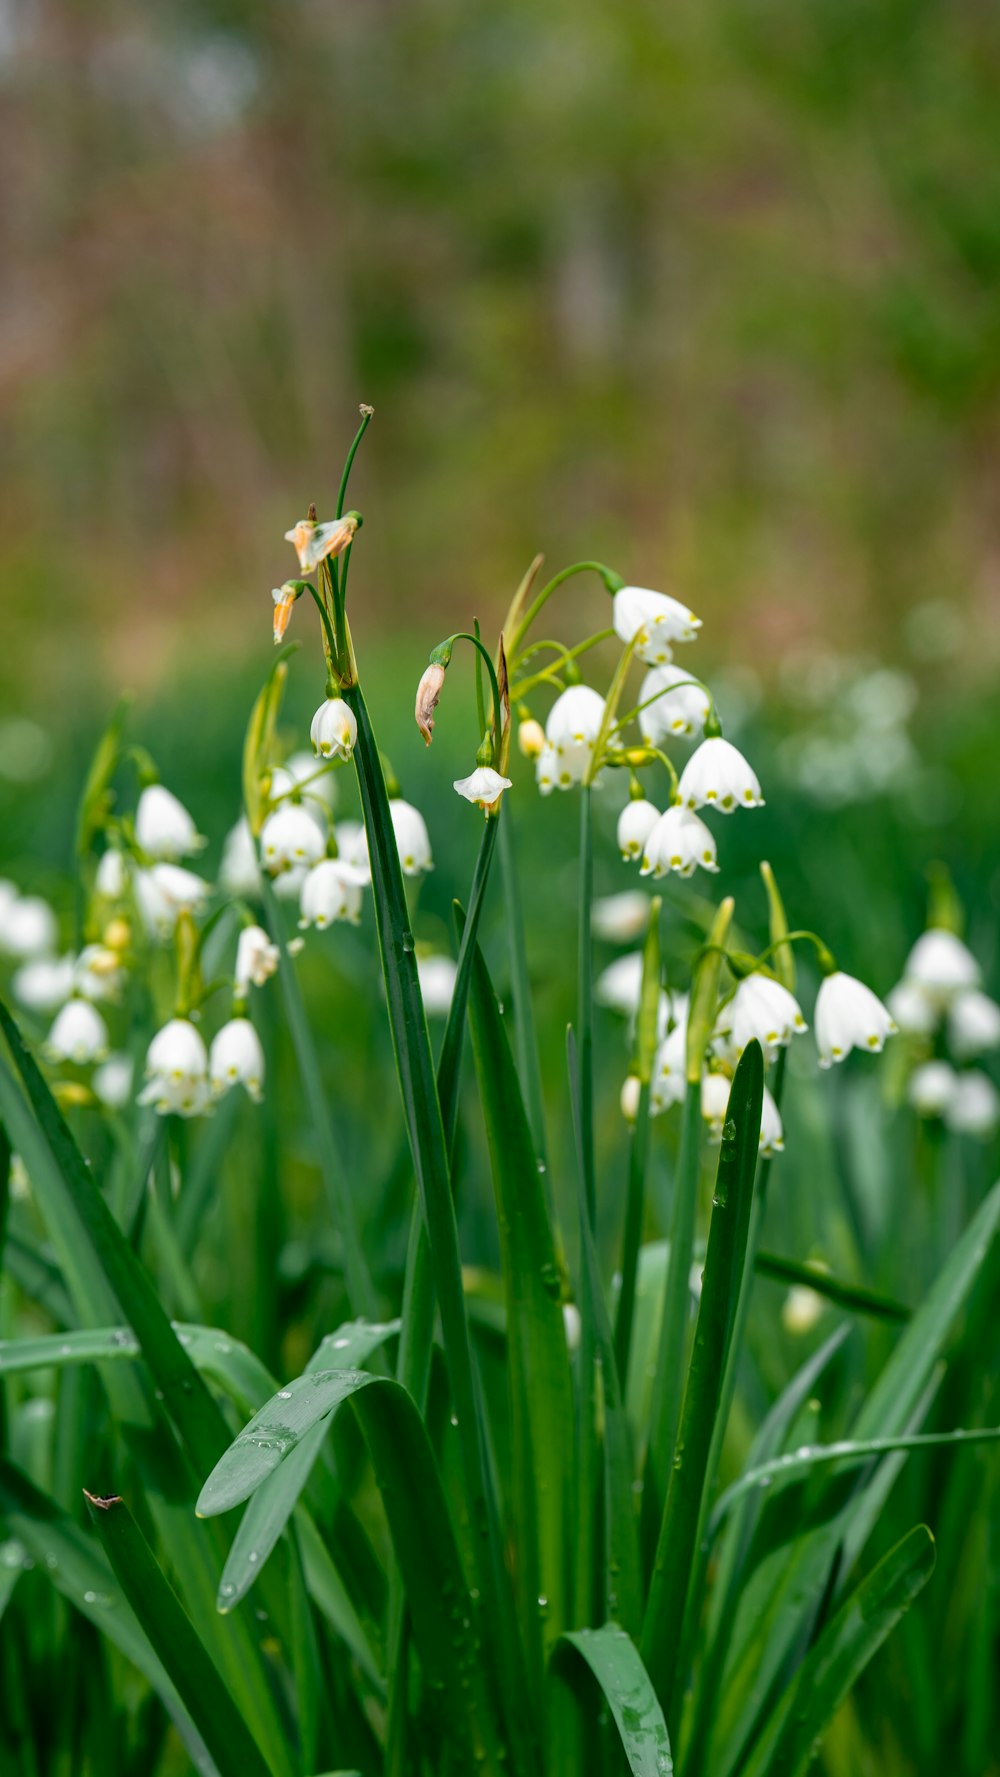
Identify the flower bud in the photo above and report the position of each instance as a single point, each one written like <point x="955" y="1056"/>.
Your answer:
<point x="428" y="692"/>
<point x="530" y="737"/>
<point x="284" y="600"/>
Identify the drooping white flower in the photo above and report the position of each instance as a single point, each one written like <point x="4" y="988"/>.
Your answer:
<point x="331" y="891"/>
<point x="112" y="877"/>
<point x="547" y="775"/>
<point x="679" y="841"/>
<point x="289" y="837"/>
<point x="177" y="1071"/>
<point x="334" y="729"/>
<point x="619" y="918"/>
<point x="237" y="1059"/>
<point x="314" y="542"/>
<point x="284" y="792"/>
<point x="288" y="884"/>
<point x="484" y="787"/>
<point x="654" y="620"/>
<point x="28" y="928"/>
<point x="974" y="1108"/>
<point x="913" y="1012"/>
<point x="98" y="973"/>
<point x="619" y="986"/>
<point x="772" y="1135"/>
<point x="675" y="704"/>
<point x="44" y="984"/>
<point x="932" y="1088"/>
<point x="669" y="1078"/>
<point x="352" y="846"/>
<point x="941" y="966"/>
<point x="111" y="1083"/>
<point x="180" y="889"/>
<point x="437" y="984"/>
<point x="973" y="1025"/>
<point x="256" y="958"/>
<point x="320" y="783"/>
<point x="635" y="823"/>
<point x="760" y="1008"/>
<point x="576" y="718"/>
<point x="79" y="1034"/>
<point x="412" y="838"/>
<point x="530" y="738"/>
<point x="163" y="827"/>
<point x="718" y="776"/>
<point x="849" y="1016"/>
<point x="715" y="1089"/>
<point x="239" y="871"/>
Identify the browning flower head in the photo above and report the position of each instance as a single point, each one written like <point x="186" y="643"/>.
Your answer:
<point x="428" y="692"/>
<point x="314" y="542"/>
<point x="284" y="599"/>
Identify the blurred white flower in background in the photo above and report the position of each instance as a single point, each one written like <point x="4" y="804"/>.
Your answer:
<point x="412" y="838"/>
<point x="28" y="926"/>
<point x="679" y="705"/>
<point x="44" y="984"/>
<point x="849" y="1016"/>
<point x="332" y="891"/>
<point x="177" y="1071"/>
<point x="941" y="966"/>
<point x="79" y="1034"/>
<point x="681" y="842"/>
<point x="931" y="1088"/>
<point x="236" y="1058"/>
<point x="112" y="1081"/>
<point x="973" y="1025"/>
<point x="163" y="827"/>
<point x="437" y="984"/>
<point x="290" y="837"/>
<point x="239" y="871"/>
<point x="718" y="776"/>
<point x="620" y="918"/>
<point x="635" y="823"/>
<point x="974" y="1108"/>
<point x="256" y="958"/>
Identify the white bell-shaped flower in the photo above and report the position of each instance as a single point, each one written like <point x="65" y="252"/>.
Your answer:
<point x="547" y="771"/>
<point x="619" y="985"/>
<point x="576" y="718"/>
<point x="620" y="918"/>
<point x="165" y="891"/>
<point x="412" y="838"/>
<point x="941" y="966"/>
<point x="163" y="827"/>
<point x="628" y="1098"/>
<point x="111" y="879"/>
<point x="312" y="779"/>
<point x="285" y="792"/>
<point x="635" y="823"/>
<point x="653" y="620"/>
<point x="772" y="1135"/>
<point x="111" y="1083"/>
<point x="290" y="837"/>
<point x="931" y="1088"/>
<point x="974" y="1108"/>
<point x="239" y="871"/>
<point x="437" y="984"/>
<point x="44" y="984"/>
<point x="334" y="730"/>
<point x="668" y="1083"/>
<point x="331" y="891"/>
<point x="675" y="705"/>
<point x="256" y="959"/>
<point x="352" y="845"/>
<point x="679" y="841"/>
<point x="849" y="1016"/>
<point x="718" y="776"/>
<point x="715" y="1089"/>
<point x="484" y="787"/>
<point x="973" y="1025"/>
<point x="760" y="1008"/>
<point x="28" y="928"/>
<point x="913" y="1012"/>
<point x="177" y="1071"/>
<point x="98" y="973"/>
<point x="237" y="1059"/>
<point x="288" y="885"/>
<point x="79" y="1034"/>
<point x="572" y="1326"/>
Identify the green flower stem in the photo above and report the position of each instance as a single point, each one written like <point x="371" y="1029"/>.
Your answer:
<point x="425" y="1128"/>
<point x="679" y="685"/>
<point x="538" y="604"/>
<point x="670" y="1367"/>
<point x="357" y="1277"/>
<point x="464" y="635"/>
<point x="525" y="1034"/>
<point x="585" y="1006"/>
<point x="632" y="1236"/>
<point x="366" y="416"/>
<point x="549" y="675"/>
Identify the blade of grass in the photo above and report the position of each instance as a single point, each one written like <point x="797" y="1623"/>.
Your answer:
<point x="525" y="1034"/>
<point x="615" y="1663"/>
<point x="173" y="1637"/>
<point x="724" y="1265"/>
<point x="832" y="1289"/>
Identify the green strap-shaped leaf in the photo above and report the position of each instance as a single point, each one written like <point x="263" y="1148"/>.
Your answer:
<point x="214" y="1353"/>
<point x="274" y="1501"/>
<point x="614" y="1661"/>
<point x="423" y="1537"/>
<point x="832" y="1289"/>
<point x="788" y="1744"/>
<point x="724" y="1264"/>
<point x="172" y="1636"/>
<point x="541" y="1397"/>
<point x="79" y="1570"/>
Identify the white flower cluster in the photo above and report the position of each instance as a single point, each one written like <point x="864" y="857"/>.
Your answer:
<point x="940" y="1006"/>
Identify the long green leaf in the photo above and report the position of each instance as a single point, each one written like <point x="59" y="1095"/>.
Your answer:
<point x="614" y="1660"/>
<point x="79" y="1570"/>
<point x="423" y="1538"/>
<point x="724" y="1265"/>
<point x="173" y="1637"/>
<point x="540" y="1386"/>
<point x="832" y="1289"/>
<point x="215" y="1354"/>
<point x="788" y="1744"/>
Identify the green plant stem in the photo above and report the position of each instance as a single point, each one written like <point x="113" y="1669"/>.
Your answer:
<point x="632" y="1235"/>
<point x="538" y="604"/>
<point x="525" y="1034"/>
<point x="357" y="1277"/>
<point x="585" y="1005"/>
<point x="670" y="1366"/>
<point x="425" y="1128"/>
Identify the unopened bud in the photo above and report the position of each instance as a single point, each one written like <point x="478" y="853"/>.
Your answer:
<point x="530" y="738"/>
<point x="284" y="598"/>
<point x="117" y="935"/>
<point x="428" y="692"/>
